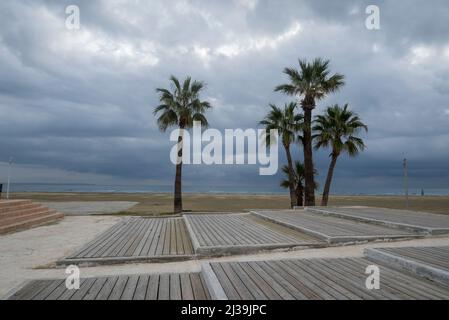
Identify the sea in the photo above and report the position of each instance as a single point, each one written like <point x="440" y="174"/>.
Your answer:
<point x="99" y="188"/>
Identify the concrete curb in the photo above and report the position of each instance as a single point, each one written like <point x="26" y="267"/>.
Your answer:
<point x="400" y="263"/>
<point x="385" y="223"/>
<point x="213" y="285"/>
<point x="338" y="239"/>
<point x="193" y="238"/>
<point x="92" y="262"/>
<point x="295" y="227"/>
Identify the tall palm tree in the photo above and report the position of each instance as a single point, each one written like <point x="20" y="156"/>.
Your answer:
<point x="288" y="123"/>
<point x="312" y="82"/>
<point x="180" y="107"/>
<point x="338" y="129"/>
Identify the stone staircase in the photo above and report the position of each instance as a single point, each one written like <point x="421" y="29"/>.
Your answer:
<point x="16" y="215"/>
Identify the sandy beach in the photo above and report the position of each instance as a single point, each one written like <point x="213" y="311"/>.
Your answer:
<point x="162" y="204"/>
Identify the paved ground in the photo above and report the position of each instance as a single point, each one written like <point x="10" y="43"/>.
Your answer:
<point x="81" y="208"/>
<point x="332" y="229"/>
<point x="421" y="221"/>
<point x="137" y="239"/>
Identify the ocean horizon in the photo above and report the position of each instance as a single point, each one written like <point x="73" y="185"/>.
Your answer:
<point x="104" y="188"/>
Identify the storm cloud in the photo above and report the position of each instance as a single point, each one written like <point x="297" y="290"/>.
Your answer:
<point x="76" y="105"/>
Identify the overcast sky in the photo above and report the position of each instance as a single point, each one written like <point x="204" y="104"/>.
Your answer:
<point x="76" y="105"/>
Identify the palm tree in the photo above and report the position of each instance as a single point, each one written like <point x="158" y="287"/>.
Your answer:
<point x="312" y="82"/>
<point x="180" y="107"/>
<point x="299" y="181"/>
<point x="338" y="129"/>
<point x="288" y="124"/>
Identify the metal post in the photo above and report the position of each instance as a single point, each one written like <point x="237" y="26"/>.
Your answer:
<point x="406" y="183"/>
<point x="9" y="178"/>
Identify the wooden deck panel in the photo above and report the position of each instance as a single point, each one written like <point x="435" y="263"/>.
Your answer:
<point x="135" y="287"/>
<point x="430" y="222"/>
<point x="342" y="279"/>
<point x="428" y="262"/>
<point x="330" y="228"/>
<point x="233" y="231"/>
<point x="136" y="239"/>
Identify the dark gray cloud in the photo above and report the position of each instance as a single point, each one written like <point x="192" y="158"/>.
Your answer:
<point x="77" y="105"/>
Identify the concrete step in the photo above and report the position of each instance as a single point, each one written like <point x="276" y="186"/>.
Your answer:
<point x="12" y="203"/>
<point x="31" y="223"/>
<point x="27" y="216"/>
<point x="19" y="206"/>
<point x="14" y="212"/>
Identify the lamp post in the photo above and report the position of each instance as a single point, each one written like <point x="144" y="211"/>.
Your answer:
<point x="9" y="178"/>
<point x="406" y="183"/>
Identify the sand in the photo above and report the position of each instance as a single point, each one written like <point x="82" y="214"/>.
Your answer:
<point x="161" y="204"/>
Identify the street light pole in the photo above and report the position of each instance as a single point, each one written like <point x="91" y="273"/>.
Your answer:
<point x="9" y="178"/>
<point x="406" y="183"/>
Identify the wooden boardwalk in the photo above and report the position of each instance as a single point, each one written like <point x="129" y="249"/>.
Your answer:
<point x="317" y="279"/>
<point x="182" y="286"/>
<point x="240" y="233"/>
<point x="424" y="222"/>
<point x="429" y="262"/>
<point x="137" y="239"/>
<point x="332" y="229"/>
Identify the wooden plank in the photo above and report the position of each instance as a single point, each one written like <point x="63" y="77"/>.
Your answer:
<point x="175" y="287"/>
<point x="164" y="287"/>
<point x="68" y="294"/>
<point x="285" y="281"/>
<point x="186" y="287"/>
<point x="238" y="284"/>
<point x="197" y="286"/>
<point x="178" y="234"/>
<point x="95" y="289"/>
<point x="152" y="248"/>
<point x="48" y="290"/>
<point x="107" y="289"/>
<point x="161" y="240"/>
<point x="131" y="246"/>
<point x="249" y="283"/>
<point x="59" y="291"/>
<point x="130" y="288"/>
<point x="141" y="289"/>
<point x="173" y="244"/>
<point x="120" y="285"/>
<point x="225" y="282"/>
<point x="30" y="290"/>
<point x="256" y="278"/>
<point x="153" y="288"/>
<point x="111" y="242"/>
<point x="95" y="243"/>
<point x="146" y="238"/>
<point x="84" y="288"/>
<point x="274" y="285"/>
<point x="315" y="285"/>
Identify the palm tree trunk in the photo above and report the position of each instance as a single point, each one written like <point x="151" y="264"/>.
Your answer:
<point x="309" y="192"/>
<point x="291" y="179"/>
<point x="178" y="177"/>
<point x="330" y="174"/>
<point x="299" y="195"/>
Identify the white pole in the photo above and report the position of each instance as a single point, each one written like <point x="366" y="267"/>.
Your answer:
<point x="406" y="183"/>
<point x="9" y="178"/>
